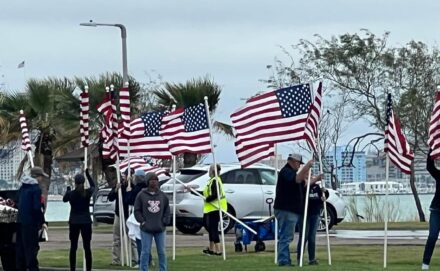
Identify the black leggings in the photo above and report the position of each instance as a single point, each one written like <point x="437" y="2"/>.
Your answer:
<point x="212" y="220"/>
<point x="86" y="234"/>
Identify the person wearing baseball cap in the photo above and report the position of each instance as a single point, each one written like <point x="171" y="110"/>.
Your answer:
<point x="289" y="202"/>
<point x="30" y="219"/>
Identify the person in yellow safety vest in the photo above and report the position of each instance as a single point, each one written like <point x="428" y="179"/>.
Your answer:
<point x="211" y="210"/>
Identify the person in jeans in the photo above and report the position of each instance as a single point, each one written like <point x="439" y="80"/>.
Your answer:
<point x="434" y="219"/>
<point x="152" y="211"/>
<point x="317" y="195"/>
<point x="132" y="225"/>
<point x="211" y="210"/>
<point x="30" y="220"/>
<point x="289" y="203"/>
<point x="79" y="219"/>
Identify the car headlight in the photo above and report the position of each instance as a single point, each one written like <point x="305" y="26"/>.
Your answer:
<point x="338" y="194"/>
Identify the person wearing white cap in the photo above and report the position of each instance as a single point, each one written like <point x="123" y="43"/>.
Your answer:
<point x="30" y="220"/>
<point x="289" y="202"/>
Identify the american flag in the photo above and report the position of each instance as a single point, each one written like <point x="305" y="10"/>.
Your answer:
<point x="84" y="117"/>
<point x="187" y="130"/>
<point x="395" y="142"/>
<point x="145" y="139"/>
<point x="312" y="124"/>
<point x="124" y="106"/>
<point x="25" y="140"/>
<point x="434" y="129"/>
<point x="270" y="118"/>
<point x="141" y="163"/>
<point x="109" y="132"/>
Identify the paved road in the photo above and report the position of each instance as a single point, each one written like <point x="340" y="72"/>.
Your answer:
<point x="58" y="239"/>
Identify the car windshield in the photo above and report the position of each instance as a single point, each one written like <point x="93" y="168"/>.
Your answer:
<point x="188" y="175"/>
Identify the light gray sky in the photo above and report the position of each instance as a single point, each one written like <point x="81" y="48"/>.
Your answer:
<point x="230" y="40"/>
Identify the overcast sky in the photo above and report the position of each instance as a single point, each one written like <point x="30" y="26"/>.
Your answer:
<point x="230" y="40"/>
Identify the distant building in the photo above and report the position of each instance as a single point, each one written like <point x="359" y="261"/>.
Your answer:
<point x="272" y="161"/>
<point x="340" y="156"/>
<point x="10" y="159"/>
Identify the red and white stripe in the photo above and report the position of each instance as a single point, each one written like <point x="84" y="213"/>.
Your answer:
<point x="260" y="124"/>
<point x="25" y="140"/>
<point x="124" y="106"/>
<point x="312" y="124"/>
<point x="109" y="132"/>
<point x="141" y="145"/>
<point x="180" y="141"/>
<point x="84" y="117"/>
<point x="140" y="163"/>
<point x="434" y="129"/>
<point x="396" y="144"/>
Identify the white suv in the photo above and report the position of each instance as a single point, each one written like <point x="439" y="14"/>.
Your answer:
<point x="248" y="191"/>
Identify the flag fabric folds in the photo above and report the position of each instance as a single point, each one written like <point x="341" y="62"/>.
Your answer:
<point x="109" y="132"/>
<point x="140" y="163"/>
<point x="187" y="130"/>
<point x="396" y="145"/>
<point x="312" y="123"/>
<point x="434" y="129"/>
<point x="84" y="117"/>
<point x="269" y="118"/>
<point x="25" y="140"/>
<point x="124" y="106"/>
<point x="145" y="139"/>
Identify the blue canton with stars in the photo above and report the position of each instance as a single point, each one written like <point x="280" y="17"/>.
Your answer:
<point x="152" y="122"/>
<point x="294" y="100"/>
<point x="194" y="118"/>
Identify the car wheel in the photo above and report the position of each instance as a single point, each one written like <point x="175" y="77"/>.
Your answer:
<point x="188" y="228"/>
<point x="331" y="218"/>
<point x="228" y="223"/>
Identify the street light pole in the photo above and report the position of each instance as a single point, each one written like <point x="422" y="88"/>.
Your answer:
<point x="124" y="45"/>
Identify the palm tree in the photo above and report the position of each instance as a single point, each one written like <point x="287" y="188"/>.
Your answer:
<point x="45" y="105"/>
<point x="52" y="107"/>
<point x="187" y="94"/>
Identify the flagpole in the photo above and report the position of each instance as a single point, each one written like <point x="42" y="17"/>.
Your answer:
<point x="303" y="238"/>
<point x="174" y="207"/>
<point x="216" y="178"/>
<point x="173" y="108"/>
<point x="124" y="250"/>
<point x="128" y="240"/>
<point x="321" y="171"/>
<point x="275" y="219"/>
<point x="385" y="243"/>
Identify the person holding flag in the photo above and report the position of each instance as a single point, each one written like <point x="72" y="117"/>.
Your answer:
<point x="289" y="202"/>
<point x="211" y="209"/>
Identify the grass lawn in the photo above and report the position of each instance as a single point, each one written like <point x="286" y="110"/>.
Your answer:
<point x="354" y="257"/>
<point x="379" y="226"/>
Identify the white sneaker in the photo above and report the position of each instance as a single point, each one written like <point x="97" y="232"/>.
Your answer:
<point x="425" y="267"/>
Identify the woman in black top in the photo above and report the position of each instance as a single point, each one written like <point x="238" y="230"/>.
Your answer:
<point x="434" y="219"/>
<point x="79" y="220"/>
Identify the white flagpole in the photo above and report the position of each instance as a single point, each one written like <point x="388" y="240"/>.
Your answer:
<point x="174" y="207"/>
<point x="31" y="160"/>
<point x="216" y="177"/>
<point x="325" y="202"/>
<point x="85" y="166"/>
<point x="174" y="200"/>
<point x="385" y="243"/>
<point x="305" y="219"/>
<point x="226" y="213"/>
<point x="124" y="252"/>
<point x="128" y="240"/>
<point x="275" y="219"/>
